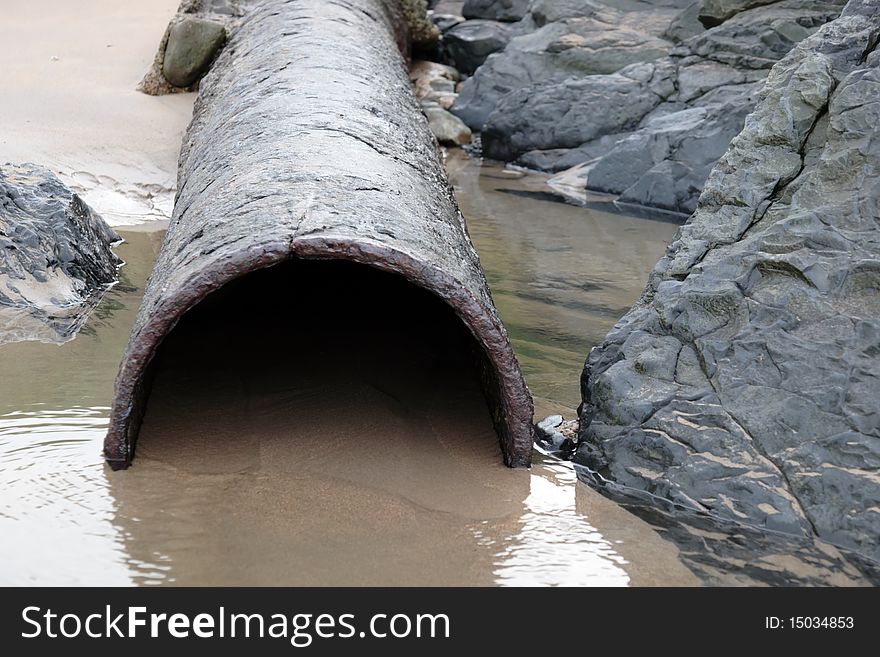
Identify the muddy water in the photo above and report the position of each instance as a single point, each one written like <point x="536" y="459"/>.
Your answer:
<point x="264" y="462"/>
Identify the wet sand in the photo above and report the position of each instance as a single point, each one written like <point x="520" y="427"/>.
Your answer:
<point x="69" y="72"/>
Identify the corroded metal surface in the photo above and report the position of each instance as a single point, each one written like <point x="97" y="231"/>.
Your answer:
<point x="306" y="142"/>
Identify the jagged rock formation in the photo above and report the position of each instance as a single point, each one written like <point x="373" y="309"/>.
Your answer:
<point x="55" y="256"/>
<point x="745" y="383"/>
<point x="707" y="81"/>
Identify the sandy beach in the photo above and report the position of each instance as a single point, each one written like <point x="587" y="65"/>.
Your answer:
<point x="70" y="71"/>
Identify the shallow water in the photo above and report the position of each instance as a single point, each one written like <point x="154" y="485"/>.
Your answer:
<point x="561" y="275"/>
<point x="245" y="475"/>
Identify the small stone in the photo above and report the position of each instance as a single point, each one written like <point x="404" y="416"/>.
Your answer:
<point x="550" y="423"/>
<point x="448" y="128"/>
<point x="470" y="43"/>
<point x="192" y="45"/>
<point x="446" y="22"/>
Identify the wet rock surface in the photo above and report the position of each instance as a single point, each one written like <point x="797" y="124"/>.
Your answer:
<point x="745" y="383"/>
<point x="728" y="553"/>
<point x="55" y="256"/>
<point x="661" y="155"/>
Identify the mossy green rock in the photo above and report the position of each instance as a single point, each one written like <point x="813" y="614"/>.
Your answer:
<point x="192" y="45"/>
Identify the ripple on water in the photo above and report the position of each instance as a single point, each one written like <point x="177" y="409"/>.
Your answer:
<point x="56" y="517"/>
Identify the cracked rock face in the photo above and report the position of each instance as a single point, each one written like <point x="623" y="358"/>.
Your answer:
<point x="746" y="381"/>
<point x="55" y="256"/>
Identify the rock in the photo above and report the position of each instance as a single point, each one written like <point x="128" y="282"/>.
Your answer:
<point x="445" y="22"/>
<point x="715" y="12"/>
<point x="575" y="111"/>
<point x="745" y="383"/>
<point x="556" y="52"/>
<point x="433" y="83"/>
<point x="665" y="163"/>
<point x="434" y="87"/>
<point x="195" y="46"/>
<point x="550" y="11"/>
<point x="555" y="160"/>
<point x="470" y="43"/>
<point x="651" y="161"/>
<point x="685" y="25"/>
<point x="422" y="31"/>
<point x="496" y="10"/>
<point x="759" y="37"/>
<point x="55" y="256"/>
<point x="448" y="128"/>
<point x="192" y="45"/>
<point x="557" y="435"/>
<point x="422" y="73"/>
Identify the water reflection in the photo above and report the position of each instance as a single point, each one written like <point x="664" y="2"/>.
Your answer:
<point x="560" y="275"/>
<point x="555" y="545"/>
<point x="51" y="500"/>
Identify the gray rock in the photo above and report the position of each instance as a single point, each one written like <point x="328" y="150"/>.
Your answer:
<point x="557" y="435"/>
<point x="496" y="10"/>
<point x="550" y="11"/>
<point x="445" y="22"/>
<point x="225" y="13"/>
<point x="577" y="110"/>
<point x="665" y="163"/>
<point x="685" y="25"/>
<point x="55" y="256"/>
<point x="549" y="423"/>
<point x="759" y="37"/>
<point x="715" y="12"/>
<point x="716" y="73"/>
<point x="745" y="383"/>
<point x="470" y="43"/>
<point x="525" y="97"/>
<point x="574" y="47"/>
<point x="193" y="43"/>
<point x="448" y="129"/>
<point x="555" y="160"/>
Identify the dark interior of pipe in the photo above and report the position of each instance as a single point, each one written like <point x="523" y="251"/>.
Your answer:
<point x="293" y="348"/>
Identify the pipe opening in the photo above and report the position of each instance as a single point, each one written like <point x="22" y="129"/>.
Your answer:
<point x="312" y="356"/>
